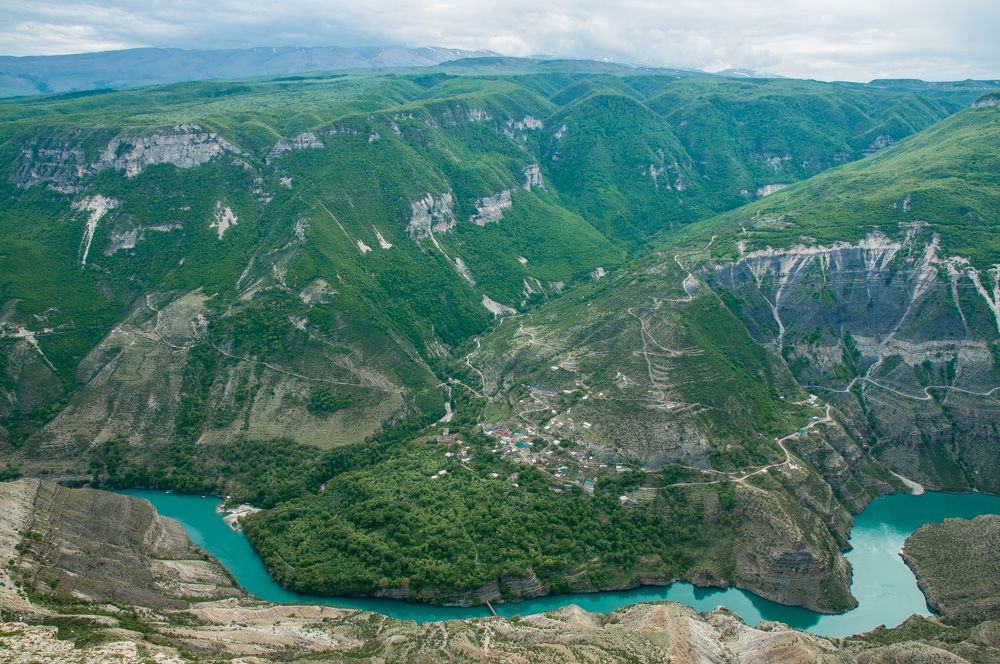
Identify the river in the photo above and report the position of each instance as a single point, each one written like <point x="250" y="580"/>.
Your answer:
<point x="885" y="588"/>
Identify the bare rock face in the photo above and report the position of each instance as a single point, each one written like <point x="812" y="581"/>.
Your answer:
<point x="61" y="164"/>
<point x="186" y="146"/>
<point x="904" y="344"/>
<point x="101" y="546"/>
<point x="496" y="308"/>
<point x="533" y="177"/>
<point x="54" y="162"/>
<point x="222" y="219"/>
<point x="490" y="209"/>
<point x="303" y="141"/>
<point x="97" y="206"/>
<point x="431" y="214"/>
<point x="769" y="189"/>
<point x="988" y="100"/>
<point x="130" y="238"/>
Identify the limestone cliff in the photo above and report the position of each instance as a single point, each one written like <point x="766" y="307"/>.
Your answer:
<point x="900" y="338"/>
<point x="62" y="162"/>
<point x="137" y="591"/>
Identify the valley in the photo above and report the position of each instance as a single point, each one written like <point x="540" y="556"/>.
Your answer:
<point x="502" y="329"/>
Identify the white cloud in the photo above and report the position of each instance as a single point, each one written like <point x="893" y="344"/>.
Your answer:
<point x="838" y="39"/>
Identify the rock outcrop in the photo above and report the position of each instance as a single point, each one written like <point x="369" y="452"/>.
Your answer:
<point x="431" y="214"/>
<point x="304" y="141"/>
<point x="222" y="219"/>
<point x="104" y="547"/>
<point x="60" y="162"/>
<point x="904" y="344"/>
<point x="490" y="209"/>
<point x="533" y="177"/>
<point x="991" y="99"/>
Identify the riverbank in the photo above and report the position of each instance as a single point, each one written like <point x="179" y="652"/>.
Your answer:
<point x="884" y="586"/>
<point x="94" y="625"/>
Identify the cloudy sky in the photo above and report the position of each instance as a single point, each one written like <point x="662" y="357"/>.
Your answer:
<point x="824" y="39"/>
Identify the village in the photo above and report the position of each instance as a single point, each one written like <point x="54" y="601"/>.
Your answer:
<point x="553" y="445"/>
<point x="556" y="448"/>
<point x="564" y="461"/>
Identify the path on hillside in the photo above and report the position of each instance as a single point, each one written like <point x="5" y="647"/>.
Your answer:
<point x="658" y="374"/>
<point x="927" y="395"/>
<point x="781" y="443"/>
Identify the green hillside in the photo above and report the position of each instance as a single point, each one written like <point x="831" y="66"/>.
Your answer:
<point x="945" y="176"/>
<point x="286" y="290"/>
<point x="685" y="367"/>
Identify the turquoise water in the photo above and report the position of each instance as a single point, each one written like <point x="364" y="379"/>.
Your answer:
<point x="885" y="588"/>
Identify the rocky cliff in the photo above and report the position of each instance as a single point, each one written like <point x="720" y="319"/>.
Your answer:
<point x="138" y="592"/>
<point x="957" y="568"/>
<point x="65" y="164"/>
<point x="902" y="339"/>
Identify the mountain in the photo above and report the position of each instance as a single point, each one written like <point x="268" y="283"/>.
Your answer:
<point x="691" y="370"/>
<point x="955" y="567"/>
<point x="901" y="250"/>
<point x="136" y="67"/>
<point x="286" y="290"/>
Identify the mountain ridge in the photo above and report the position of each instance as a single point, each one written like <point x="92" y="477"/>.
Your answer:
<point x="138" y="67"/>
<point x="286" y="291"/>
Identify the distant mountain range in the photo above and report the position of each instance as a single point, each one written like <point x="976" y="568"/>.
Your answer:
<point x="137" y="67"/>
<point x="44" y="74"/>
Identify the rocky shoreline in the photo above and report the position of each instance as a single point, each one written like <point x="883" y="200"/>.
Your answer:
<point x="152" y="596"/>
